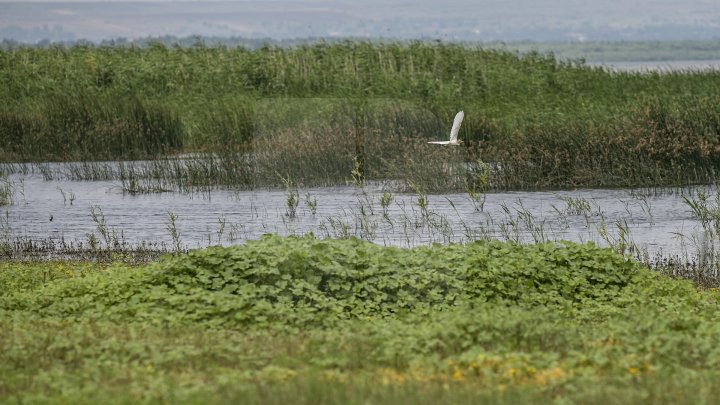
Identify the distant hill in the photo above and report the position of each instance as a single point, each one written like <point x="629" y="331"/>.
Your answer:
<point x="456" y="20"/>
<point x="592" y="52"/>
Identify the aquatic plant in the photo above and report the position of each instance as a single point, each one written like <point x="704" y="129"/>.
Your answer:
<point x="174" y="232"/>
<point x="7" y="191"/>
<point x="292" y="196"/>
<point x="309" y="109"/>
<point x="72" y="128"/>
<point x="478" y="183"/>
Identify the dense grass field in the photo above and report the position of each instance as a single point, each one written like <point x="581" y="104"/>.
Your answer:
<point x="305" y="320"/>
<point x="307" y="111"/>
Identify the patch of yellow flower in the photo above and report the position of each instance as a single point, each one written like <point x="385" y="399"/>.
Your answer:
<point x="64" y="269"/>
<point x="390" y="376"/>
<point x="484" y="369"/>
<point x="421" y="374"/>
<point x="507" y="369"/>
<point x="335" y="376"/>
<point x="277" y="373"/>
<point x="642" y="368"/>
<point x="550" y="376"/>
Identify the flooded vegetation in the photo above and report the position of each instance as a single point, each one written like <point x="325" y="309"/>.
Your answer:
<point x="270" y="225"/>
<point x="308" y="110"/>
<point x="53" y="215"/>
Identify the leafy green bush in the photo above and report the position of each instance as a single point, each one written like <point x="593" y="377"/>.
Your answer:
<point x="305" y="281"/>
<point x="340" y="321"/>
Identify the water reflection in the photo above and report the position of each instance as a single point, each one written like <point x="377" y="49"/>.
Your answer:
<point x="659" y="222"/>
<point x="662" y="66"/>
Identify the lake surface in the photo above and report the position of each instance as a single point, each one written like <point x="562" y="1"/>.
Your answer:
<point x="660" y="65"/>
<point x="656" y="221"/>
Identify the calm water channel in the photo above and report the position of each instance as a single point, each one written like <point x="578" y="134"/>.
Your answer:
<point x="660" y="65"/>
<point x="658" y="221"/>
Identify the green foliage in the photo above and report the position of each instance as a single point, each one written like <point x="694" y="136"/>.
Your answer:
<point x="7" y="191"/>
<point x="294" y="110"/>
<point x="295" y="282"/>
<point x="341" y="321"/>
<point x="28" y="276"/>
<point x="67" y="128"/>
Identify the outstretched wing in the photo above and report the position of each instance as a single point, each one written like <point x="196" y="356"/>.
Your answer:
<point x="456" y="126"/>
<point x="440" y="142"/>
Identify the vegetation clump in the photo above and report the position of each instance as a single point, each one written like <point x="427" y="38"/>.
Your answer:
<point x="299" y="282"/>
<point x="340" y="321"/>
<point x="308" y="110"/>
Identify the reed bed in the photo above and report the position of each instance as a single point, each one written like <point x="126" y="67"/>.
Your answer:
<point x="547" y="123"/>
<point x="69" y="128"/>
<point x="7" y="191"/>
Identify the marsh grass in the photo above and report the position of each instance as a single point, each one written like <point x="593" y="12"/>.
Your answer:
<point x="382" y="216"/>
<point x="7" y="191"/>
<point x="28" y="249"/>
<point x="574" y="206"/>
<point x="315" y="156"/>
<point x="110" y="235"/>
<point x="292" y="197"/>
<point x="67" y="196"/>
<point x="311" y="203"/>
<point x="323" y="155"/>
<point x="175" y="232"/>
<point x="75" y="128"/>
<point x="547" y="123"/>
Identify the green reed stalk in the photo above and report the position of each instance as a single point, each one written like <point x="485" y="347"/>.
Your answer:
<point x="544" y="123"/>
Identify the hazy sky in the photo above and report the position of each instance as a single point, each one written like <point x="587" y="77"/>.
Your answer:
<point x="453" y="19"/>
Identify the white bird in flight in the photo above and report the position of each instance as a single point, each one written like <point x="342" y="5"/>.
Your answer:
<point x="453" y="132"/>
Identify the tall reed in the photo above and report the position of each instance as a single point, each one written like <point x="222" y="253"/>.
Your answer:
<point x="547" y="123"/>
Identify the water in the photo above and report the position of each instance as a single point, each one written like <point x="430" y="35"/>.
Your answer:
<point x="660" y="65"/>
<point x="658" y="222"/>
